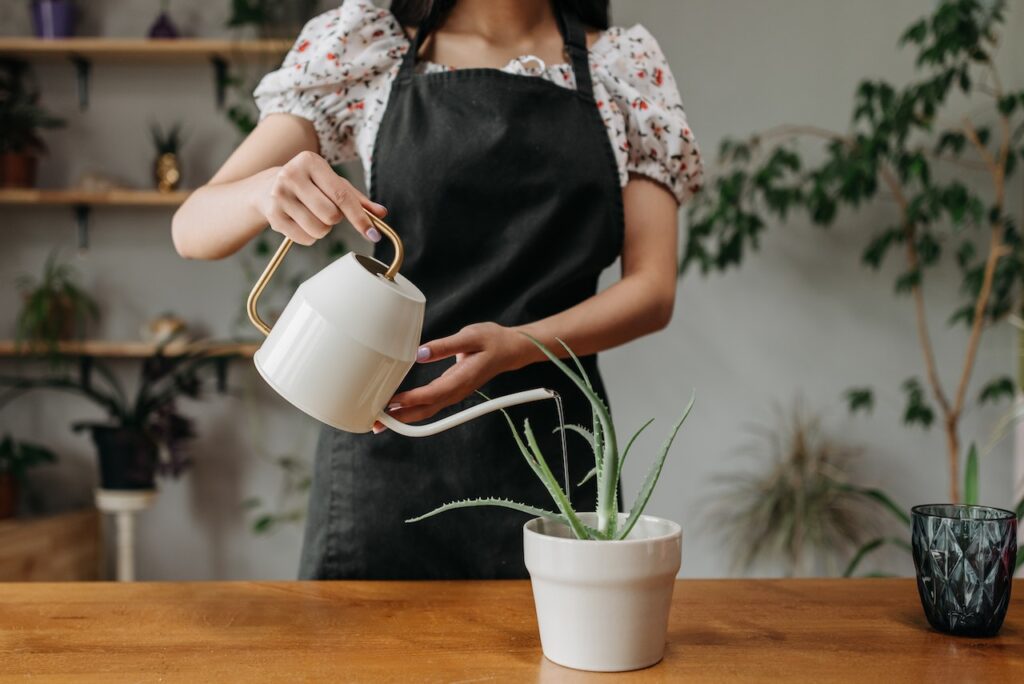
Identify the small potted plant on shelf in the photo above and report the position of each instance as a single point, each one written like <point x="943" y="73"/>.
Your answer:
<point x="145" y="434"/>
<point x="167" y="165"/>
<point x="55" y="307"/>
<point x="15" y="459"/>
<point x="21" y="119"/>
<point x="602" y="580"/>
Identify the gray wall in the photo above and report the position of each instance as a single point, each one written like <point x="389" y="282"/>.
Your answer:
<point x="800" y="319"/>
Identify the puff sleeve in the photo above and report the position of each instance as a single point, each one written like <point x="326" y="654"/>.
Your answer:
<point x="341" y="59"/>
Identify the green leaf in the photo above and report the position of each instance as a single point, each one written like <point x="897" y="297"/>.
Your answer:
<point x="870" y="547"/>
<point x="552" y="484"/>
<point x="491" y="501"/>
<point x="918" y="410"/>
<point x="860" y="399"/>
<point x="652" y="477"/>
<point x="880" y="497"/>
<point x="971" y="477"/>
<point x="995" y="390"/>
<point x="629" y="444"/>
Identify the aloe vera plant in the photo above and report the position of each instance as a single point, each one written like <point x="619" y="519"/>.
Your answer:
<point x="607" y="468"/>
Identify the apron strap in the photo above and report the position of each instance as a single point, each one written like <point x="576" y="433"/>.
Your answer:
<point x="573" y="35"/>
<point x="575" y="46"/>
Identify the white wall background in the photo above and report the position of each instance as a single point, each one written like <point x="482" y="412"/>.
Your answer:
<point x="802" y="318"/>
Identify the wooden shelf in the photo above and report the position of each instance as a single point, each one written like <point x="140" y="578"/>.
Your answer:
<point x="180" y="49"/>
<point x="109" y="198"/>
<point x="129" y="349"/>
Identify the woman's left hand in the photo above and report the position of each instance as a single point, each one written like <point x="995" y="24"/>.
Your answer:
<point x="481" y="351"/>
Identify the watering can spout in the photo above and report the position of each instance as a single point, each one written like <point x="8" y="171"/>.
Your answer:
<point x="466" y="415"/>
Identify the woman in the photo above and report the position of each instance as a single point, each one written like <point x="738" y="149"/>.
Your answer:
<point x="519" y="147"/>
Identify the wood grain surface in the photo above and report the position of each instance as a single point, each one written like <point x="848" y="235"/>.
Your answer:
<point x="720" y="631"/>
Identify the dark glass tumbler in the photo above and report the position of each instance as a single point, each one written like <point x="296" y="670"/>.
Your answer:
<point x="964" y="556"/>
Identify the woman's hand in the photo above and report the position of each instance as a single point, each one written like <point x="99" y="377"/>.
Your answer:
<point x="481" y="351"/>
<point x="305" y="198"/>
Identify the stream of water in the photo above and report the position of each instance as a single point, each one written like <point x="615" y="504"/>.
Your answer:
<point x="565" y="453"/>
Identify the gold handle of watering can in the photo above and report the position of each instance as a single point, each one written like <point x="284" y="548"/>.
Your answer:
<point x="286" y="244"/>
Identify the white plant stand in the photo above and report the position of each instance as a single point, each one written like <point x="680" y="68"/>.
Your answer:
<point x="124" y="505"/>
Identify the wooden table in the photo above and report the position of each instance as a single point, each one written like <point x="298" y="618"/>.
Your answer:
<point x="720" y="630"/>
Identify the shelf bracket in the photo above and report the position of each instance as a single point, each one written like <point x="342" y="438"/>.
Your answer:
<point x="82" y="69"/>
<point x="222" y="374"/>
<point x="221" y="79"/>
<point x="82" y="223"/>
<point x="85" y="371"/>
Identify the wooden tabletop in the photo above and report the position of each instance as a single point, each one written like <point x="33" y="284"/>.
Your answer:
<point x="720" y="630"/>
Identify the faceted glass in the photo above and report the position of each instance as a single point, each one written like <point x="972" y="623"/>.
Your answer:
<point x="964" y="556"/>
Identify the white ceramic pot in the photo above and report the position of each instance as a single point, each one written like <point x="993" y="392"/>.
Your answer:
<point x="603" y="605"/>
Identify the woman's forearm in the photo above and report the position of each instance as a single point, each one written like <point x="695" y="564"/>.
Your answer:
<point x="633" y="307"/>
<point x="218" y="219"/>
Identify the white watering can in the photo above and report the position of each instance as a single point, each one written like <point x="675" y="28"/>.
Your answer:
<point x="347" y="339"/>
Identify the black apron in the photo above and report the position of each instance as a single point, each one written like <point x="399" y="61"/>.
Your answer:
<point x="505" y="192"/>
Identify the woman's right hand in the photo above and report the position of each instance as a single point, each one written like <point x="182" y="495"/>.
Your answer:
<point x="305" y="198"/>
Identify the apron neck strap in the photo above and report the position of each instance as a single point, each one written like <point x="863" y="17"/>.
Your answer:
<point x="573" y="35"/>
<point x="575" y="39"/>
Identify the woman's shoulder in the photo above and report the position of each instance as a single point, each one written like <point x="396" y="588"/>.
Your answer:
<point x="619" y="47"/>
<point x="356" y="31"/>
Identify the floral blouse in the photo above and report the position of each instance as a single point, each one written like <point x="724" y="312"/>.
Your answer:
<point x="338" y="76"/>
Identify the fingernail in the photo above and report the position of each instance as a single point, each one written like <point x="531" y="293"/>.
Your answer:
<point x="383" y="209"/>
<point x="423" y="353"/>
<point x="394" y="407"/>
<point x="377" y="429"/>
<point x="373" y="235"/>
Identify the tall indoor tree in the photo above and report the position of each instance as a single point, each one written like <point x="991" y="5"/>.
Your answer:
<point x="948" y="185"/>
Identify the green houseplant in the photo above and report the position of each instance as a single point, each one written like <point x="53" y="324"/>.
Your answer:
<point x="145" y="433"/>
<point x="602" y="580"/>
<point x="55" y="306"/>
<point x="946" y="184"/>
<point x="16" y="458"/>
<point x="21" y="120"/>
<point x="793" y="501"/>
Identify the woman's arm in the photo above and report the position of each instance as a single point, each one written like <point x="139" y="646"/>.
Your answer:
<point x="640" y="303"/>
<point x="275" y="177"/>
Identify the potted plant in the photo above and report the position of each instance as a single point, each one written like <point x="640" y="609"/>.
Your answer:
<point x="15" y="459"/>
<point x="55" y="306"/>
<point x="21" y="119"/>
<point x="145" y="434"/>
<point x="167" y="166"/>
<point x="54" y="18"/>
<point x="602" y="580"/>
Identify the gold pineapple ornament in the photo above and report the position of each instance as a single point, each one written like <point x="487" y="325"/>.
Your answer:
<point x="166" y="167"/>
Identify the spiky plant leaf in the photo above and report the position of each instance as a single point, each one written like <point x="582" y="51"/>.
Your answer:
<point x="606" y="505"/>
<point x="491" y="501"/>
<point x="652" y="477"/>
<point x="625" y="452"/>
<point x="579" y="430"/>
<point x="552" y="485"/>
<point x="881" y="497"/>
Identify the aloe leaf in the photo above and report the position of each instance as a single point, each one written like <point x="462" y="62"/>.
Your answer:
<point x="652" y="477"/>
<point x="586" y="478"/>
<point x="625" y="452"/>
<point x="881" y="497"/>
<point x="597" y="441"/>
<point x="552" y="485"/>
<point x="870" y="547"/>
<point x="579" y="430"/>
<point x="606" y="514"/>
<point x="490" y="501"/>
<point x="971" y="477"/>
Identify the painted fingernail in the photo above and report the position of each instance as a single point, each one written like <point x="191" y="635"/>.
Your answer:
<point x="373" y="235"/>
<point x="423" y="353"/>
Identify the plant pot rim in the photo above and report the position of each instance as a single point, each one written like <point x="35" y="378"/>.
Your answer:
<point x="920" y="509"/>
<point x="675" y="530"/>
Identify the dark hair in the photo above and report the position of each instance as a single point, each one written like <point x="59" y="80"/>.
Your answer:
<point x="594" y="13"/>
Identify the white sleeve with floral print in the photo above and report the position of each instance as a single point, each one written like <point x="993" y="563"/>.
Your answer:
<point x="338" y="76"/>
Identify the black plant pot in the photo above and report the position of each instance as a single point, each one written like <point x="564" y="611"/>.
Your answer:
<point x="127" y="457"/>
<point x="965" y="557"/>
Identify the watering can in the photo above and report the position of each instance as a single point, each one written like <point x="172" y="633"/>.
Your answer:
<point x="347" y="339"/>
